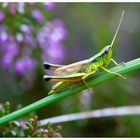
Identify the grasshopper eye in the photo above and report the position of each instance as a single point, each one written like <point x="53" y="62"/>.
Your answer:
<point x="106" y="51"/>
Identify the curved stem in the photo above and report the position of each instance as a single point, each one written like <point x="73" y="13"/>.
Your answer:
<point x="98" y="113"/>
<point x="99" y="78"/>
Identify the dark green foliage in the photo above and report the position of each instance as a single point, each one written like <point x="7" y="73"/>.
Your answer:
<point x="26" y="127"/>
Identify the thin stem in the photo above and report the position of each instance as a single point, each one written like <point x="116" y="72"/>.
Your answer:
<point x="99" y="113"/>
<point x="99" y="78"/>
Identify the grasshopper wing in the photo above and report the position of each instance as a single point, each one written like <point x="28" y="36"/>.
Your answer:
<point x="65" y="78"/>
<point x="71" y="68"/>
<point x="51" y="66"/>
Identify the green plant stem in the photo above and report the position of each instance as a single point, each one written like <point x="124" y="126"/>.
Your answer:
<point x="98" y="113"/>
<point x="99" y="78"/>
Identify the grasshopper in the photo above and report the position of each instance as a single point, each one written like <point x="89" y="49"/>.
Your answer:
<point x="66" y="75"/>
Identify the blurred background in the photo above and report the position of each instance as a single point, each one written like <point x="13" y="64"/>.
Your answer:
<point x="64" y="33"/>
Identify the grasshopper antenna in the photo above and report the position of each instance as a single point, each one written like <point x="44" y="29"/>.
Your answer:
<point x="117" y="29"/>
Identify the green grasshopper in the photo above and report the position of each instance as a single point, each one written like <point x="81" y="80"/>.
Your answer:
<point x="66" y="75"/>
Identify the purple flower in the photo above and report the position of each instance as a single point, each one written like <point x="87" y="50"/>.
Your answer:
<point x="42" y="38"/>
<point x="21" y="6"/>
<point x="38" y="15"/>
<point x="4" y="4"/>
<point x="2" y="15"/>
<point x="20" y="67"/>
<point x="50" y="5"/>
<point x="50" y="39"/>
<point x="7" y="61"/>
<point x="30" y="41"/>
<point x="24" y="65"/>
<point x="54" y="55"/>
<point x="52" y="33"/>
<point x="59" y="32"/>
<point x="25" y="28"/>
<point x="17" y="47"/>
<point x="3" y="37"/>
<point x="11" y="49"/>
<point x="12" y="8"/>
<point x="19" y="37"/>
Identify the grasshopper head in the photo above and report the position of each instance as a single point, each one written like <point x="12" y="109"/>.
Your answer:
<point x="107" y="54"/>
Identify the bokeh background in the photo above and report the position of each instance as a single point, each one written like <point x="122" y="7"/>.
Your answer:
<point x="31" y="33"/>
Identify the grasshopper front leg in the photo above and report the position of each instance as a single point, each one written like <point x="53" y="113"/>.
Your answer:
<point x="117" y="64"/>
<point x="108" y="71"/>
<point x="89" y="75"/>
